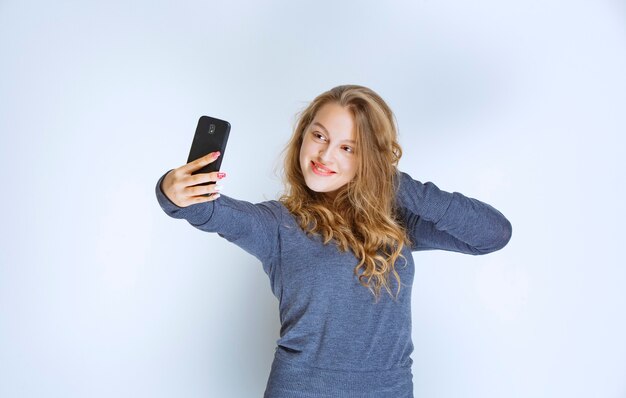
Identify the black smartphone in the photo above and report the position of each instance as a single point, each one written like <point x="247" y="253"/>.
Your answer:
<point x="211" y="135"/>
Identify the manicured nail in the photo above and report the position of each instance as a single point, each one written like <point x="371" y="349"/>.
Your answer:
<point x="217" y="187"/>
<point x="221" y="175"/>
<point x="216" y="154"/>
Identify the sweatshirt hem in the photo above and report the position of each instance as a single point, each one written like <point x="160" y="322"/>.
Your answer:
<point x="289" y="378"/>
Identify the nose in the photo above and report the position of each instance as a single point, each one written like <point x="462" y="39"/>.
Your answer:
<point x="325" y="154"/>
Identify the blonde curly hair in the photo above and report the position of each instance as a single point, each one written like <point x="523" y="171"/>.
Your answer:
<point x="362" y="216"/>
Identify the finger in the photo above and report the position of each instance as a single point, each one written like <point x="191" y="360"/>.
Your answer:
<point x="202" y="178"/>
<point x="204" y="190"/>
<point x="204" y="198"/>
<point x="200" y="162"/>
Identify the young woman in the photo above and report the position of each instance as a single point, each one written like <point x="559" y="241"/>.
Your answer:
<point x="341" y="234"/>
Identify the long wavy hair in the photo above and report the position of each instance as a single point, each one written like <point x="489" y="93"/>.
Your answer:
<point x="362" y="216"/>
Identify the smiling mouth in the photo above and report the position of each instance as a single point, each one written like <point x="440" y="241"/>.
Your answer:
<point x="321" y="170"/>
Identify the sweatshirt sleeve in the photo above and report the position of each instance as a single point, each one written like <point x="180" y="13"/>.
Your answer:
<point x="436" y="219"/>
<point x="253" y="227"/>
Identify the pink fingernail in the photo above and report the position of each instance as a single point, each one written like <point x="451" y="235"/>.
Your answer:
<point x="221" y="175"/>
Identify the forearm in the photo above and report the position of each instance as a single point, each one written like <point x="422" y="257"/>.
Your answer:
<point x="480" y="226"/>
<point x="253" y="227"/>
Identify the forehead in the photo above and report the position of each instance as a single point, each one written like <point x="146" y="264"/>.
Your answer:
<point x="337" y="120"/>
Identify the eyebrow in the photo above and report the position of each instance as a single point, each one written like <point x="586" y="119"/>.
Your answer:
<point x="326" y="131"/>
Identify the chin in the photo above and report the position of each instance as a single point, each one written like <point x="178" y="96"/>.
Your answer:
<point x="319" y="189"/>
<point x="320" y="184"/>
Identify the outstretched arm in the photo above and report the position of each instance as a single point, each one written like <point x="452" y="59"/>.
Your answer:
<point x="253" y="227"/>
<point x="436" y="219"/>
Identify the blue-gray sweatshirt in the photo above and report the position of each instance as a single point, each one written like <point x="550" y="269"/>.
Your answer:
<point x="335" y="341"/>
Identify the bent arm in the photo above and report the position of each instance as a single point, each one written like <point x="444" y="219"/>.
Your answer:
<point x="436" y="219"/>
<point x="253" y="227"/>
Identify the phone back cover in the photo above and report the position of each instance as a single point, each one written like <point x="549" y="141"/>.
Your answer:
<point x="211" y="135"/>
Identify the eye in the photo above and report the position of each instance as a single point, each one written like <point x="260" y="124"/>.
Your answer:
<point x="318" y="136"/>
<point x="348" y="149"/>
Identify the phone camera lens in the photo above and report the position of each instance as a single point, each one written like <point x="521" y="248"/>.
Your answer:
<point x="212" y="129"/>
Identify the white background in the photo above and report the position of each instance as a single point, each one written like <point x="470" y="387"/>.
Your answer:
<point x="521" y="104"/>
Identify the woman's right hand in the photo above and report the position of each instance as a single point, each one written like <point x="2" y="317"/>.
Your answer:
<point x="178" y="184"/>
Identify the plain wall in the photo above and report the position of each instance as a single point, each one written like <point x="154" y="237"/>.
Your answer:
<point x="520" y="104"/>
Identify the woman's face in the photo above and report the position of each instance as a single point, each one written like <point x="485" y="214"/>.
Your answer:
<point x="328" y="155"/>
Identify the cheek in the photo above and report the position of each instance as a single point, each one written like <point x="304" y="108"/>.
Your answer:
<point x="307" y="149"/>
<point x="351" y="166"/>
<point x="303" y="152"/>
